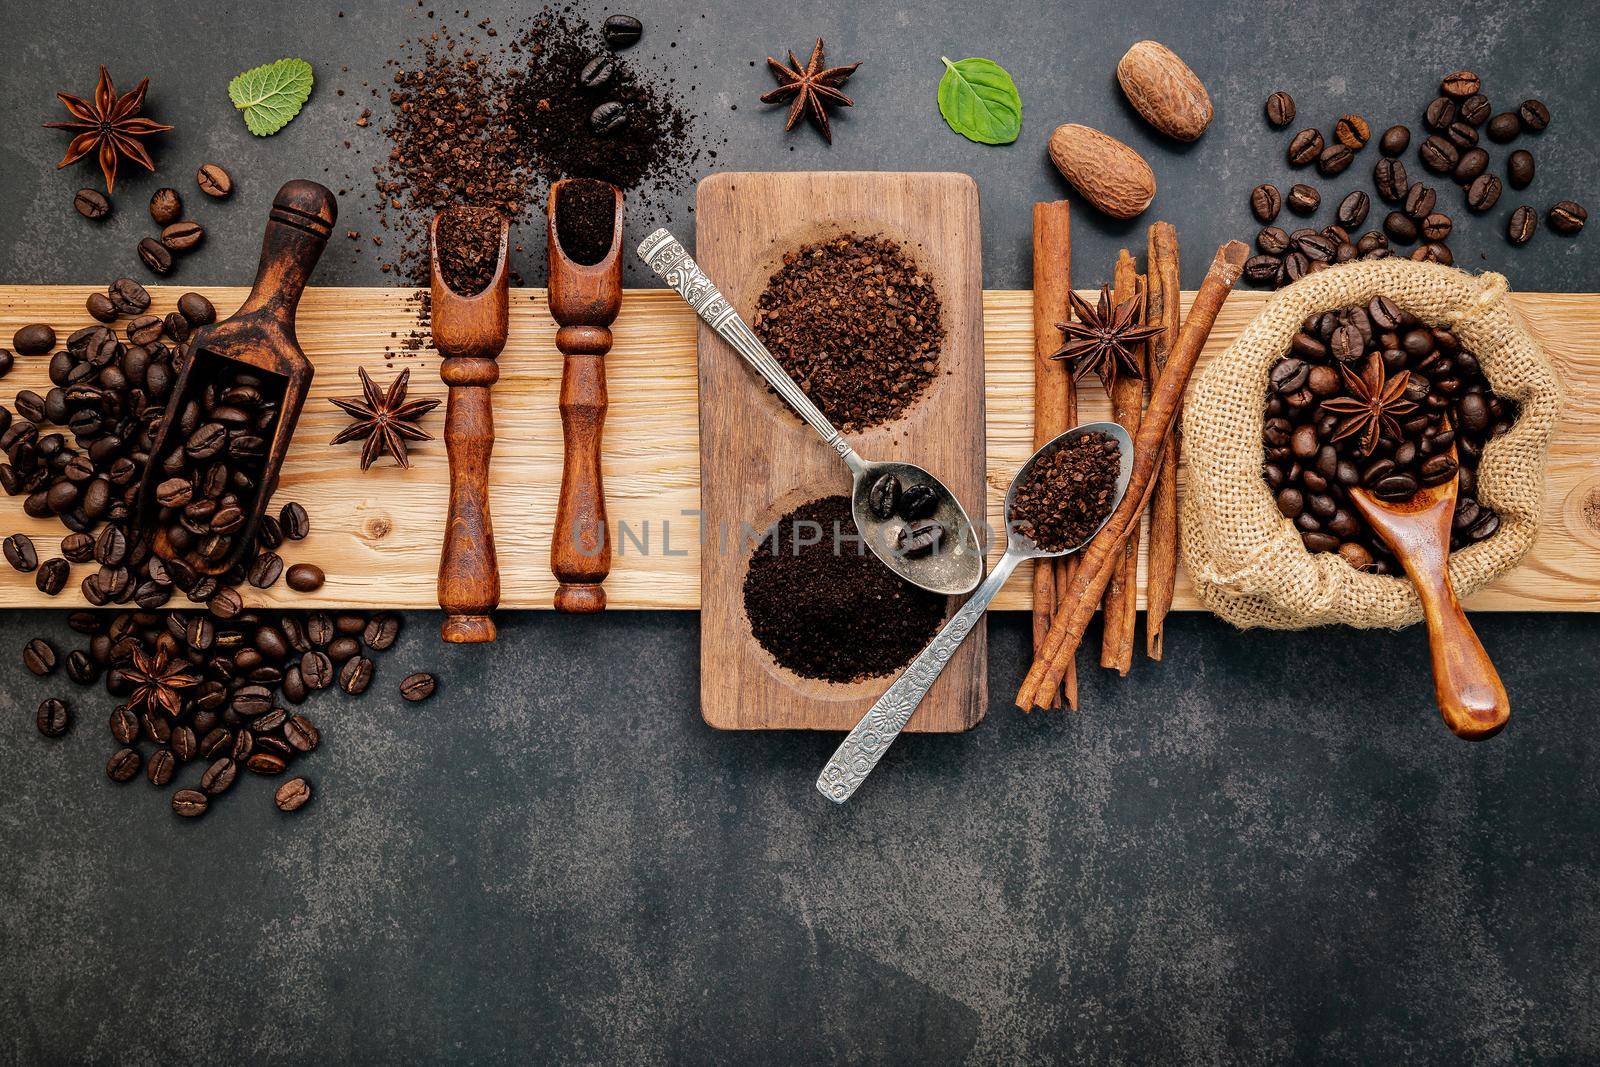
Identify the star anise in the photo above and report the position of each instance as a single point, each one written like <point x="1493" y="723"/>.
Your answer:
<point x="111" y="124"/>
<point x="812" y="88"/>
<point x="1371" y="404"/>
<point x="385" y="420"/>
<point x="158" y="681"/>
<point x="1104" y="338"/>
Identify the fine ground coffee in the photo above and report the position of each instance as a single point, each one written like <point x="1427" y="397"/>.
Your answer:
<point x="1069" y="493"/>
<point x="586" y="211"/>
<point x="822" y="604"/>
<point x="856" y="324"/>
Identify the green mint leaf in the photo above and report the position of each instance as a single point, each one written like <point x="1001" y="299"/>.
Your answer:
<point x="980" y="101"/>
<point x="271" y="95"/>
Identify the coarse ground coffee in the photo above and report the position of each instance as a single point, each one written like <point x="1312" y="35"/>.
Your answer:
<point x="856" y="324"/>
<point x="1069" y="493"/>
<point x="469" y="249"/>
<point x="586" y="211"/>
<point x="822" y="604"/>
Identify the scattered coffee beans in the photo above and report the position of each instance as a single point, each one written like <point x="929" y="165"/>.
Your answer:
<point x="91" y="204"/>
<point x="166" y="206"/>
<point x="33" y="340"/>
<point x="1280" y="109"/>
<point x="1522" y="224"/>
<point x="418" y="687"/>
<point x="1567" y="218"/>
<point x="213" y="180"/>
<point x="622" y="31"/>
<point x="53" y="718"/>
<point x="292" y="795"/>
<point x="305" y="577"/>
<point x="1519" y="169"/>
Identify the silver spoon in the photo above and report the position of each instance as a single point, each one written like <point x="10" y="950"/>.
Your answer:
<point x="866" y="744"/>
<point x="956" y="564"/>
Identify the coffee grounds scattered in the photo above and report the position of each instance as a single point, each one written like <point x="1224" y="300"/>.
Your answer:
<point x="856" y="324"/>
<point x="489" y="116"/>
<point x="469" y="249"/>
<point x="586" y="212"/>
<point x="1068" y="493"/>
<point x="822" y="604"/>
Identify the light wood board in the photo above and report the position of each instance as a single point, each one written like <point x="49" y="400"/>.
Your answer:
<point x="758" y="460"/>
<point x="377" y="533"/>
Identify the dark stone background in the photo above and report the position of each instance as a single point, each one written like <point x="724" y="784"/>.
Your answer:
<point x="1265" y="848"/>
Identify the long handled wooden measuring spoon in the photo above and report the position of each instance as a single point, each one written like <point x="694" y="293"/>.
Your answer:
<point x="1471" y="697"/>
<point x="585" y="296"/>
<point x="469" y="332"/>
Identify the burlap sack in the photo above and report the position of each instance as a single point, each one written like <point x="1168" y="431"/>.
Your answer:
<point x="1247" y="561"/>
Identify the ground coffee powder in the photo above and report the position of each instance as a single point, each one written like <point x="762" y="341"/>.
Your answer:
<point x="469" y="249"/>
<point x="1068" y="494"/>
<point x="822" y="604"/>
<point x="586" y="213"/>
<point x="856" y="324"/>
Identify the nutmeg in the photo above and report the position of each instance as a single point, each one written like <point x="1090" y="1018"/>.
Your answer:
<point x="1109" y="174"/>
<point x="1163" y="89"/>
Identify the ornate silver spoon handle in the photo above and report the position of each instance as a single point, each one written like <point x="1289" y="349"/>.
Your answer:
<point x="866" y="744"/>
<point x="663" y="254"/>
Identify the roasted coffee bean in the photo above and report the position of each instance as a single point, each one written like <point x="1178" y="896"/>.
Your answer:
<point x="294" y="522"/>
<point x="1519" y="169"/>
<point x="1305" y="147"/>
<point x="343" y="647"/>
<point x="20" y="553"/>
<point x="1420" y="201"/>
<point x="292" y="795"/>
<point x="1473" y="162"/>
<point x="225" y="604"/>
<point x="111" y="546"/>
<point x="882" y="499"/>
<point x="1436" y="470"/>
<point x="1352" y="131"/>
<point x="52" y="576"/>
<point x="1289" y="375"/>
<point x="219" y="776"/>
<point x="213" y="180"/>
<point x="54" y="718"/>
<point x="1334" y="159"/>
<point x="145" y="330"/>
<point x="155" y="726"/>
<point x="129" y="296"/>
<point x="913" y="541"/>
<point x="100" y="307"/>
<point x="302" y="734"/>
<point x="608" y="117"/>
<point x="1474" y="109"/>
<point x="124" y="725"/>
<point x="1395" y="140"/>
<point x="316" y="669"/>
<point x="218" y="740"/>
<point x="319" y="628"/>
<point x="305" y="577"/>
<point x="1484" y="193"/>
<point x="1389" y="175"/>
<point x="1265" y="203"/>
<point x="266" y="724"/>
<point x="1534" y="115"/>
<point x="1436" y="227"/>
<point x="190" y="803"/>
<point x="1395" y="487"/>
<point x="1353" y="210"/>
<point x="1460" y="83"/>
<point x="265" y="570"/>
<point x="155" y="255"/>
<point x="1272" y="241"/>
<point x="1520" y="227"/>
<point x="252" y="700"/>
<point x="1440" y="114"/>
<point x="1303" y="199"/>
<point x="1567" y="218"/>
<point x="1462" y="135"/>
<point x="1280" y="109"/>
<point x="34" y="339"/>
<point x="1504" y="127"/>
<point x="166" y="206"/>
<point x="418" y="687"/>
<point x="1263" y="269"/>
<point x="39" y="656"/>
<point x="160" y="766"/>
<point x="1400" y="227"/>
<point x="266" y="763"/>
<point x="183" y="236"/>
<point x="918" y="502"/>
<point x="621" y="31"/>
<point x="1438" y="154"/>
<point x="123" y="765"/>
<point x="597" y="73"/>
<point x="81" y="668"/>
<point x="184" y="745"/>
<point x="197" y="309"/>
<point x="381" y="631"/>
<point x="91" y="204"/>
<point x="1316" y="248"/>
<point x="30" y="406"/>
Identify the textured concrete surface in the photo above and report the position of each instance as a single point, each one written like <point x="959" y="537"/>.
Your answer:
<point x="1264" y="849"/>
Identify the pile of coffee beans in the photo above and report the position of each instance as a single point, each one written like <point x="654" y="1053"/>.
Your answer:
<point x="1450" y="149"/>
<point x="855" y="322"/>
<point x="217" y="694"/>
<point x="823" y="606"/>
<point x="586" y="215"/>
<point x="469" y="249"/>
<point x="1312" y="463"/>
<point x="1068" y="493"/>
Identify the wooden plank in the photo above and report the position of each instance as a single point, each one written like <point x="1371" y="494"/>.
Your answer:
<point x="758" y="460"/>
<point x="378" y="533"/>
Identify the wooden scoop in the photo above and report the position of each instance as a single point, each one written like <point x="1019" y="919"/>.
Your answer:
<point x="469" y="332"/>
<point x="1465" y="683"/>
<point x="584" y="301"/>
<point x="260" y="335"/>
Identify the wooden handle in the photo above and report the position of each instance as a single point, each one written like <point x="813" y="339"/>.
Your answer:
<point x="1471" y="698"/>
<point x="469" y="574"/>
<point x="303" y="214"/>
<point x="580" y="552"/>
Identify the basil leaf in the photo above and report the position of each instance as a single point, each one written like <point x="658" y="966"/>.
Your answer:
<point x="980" y="101"/>
<point x="271" y="95"/>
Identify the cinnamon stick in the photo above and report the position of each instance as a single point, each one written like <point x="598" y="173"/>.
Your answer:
<point x="1094" y="572"/>
<point x="1055" y="399"/>
<point x="1120" y="608"/>
<point x="1161" y="308"/>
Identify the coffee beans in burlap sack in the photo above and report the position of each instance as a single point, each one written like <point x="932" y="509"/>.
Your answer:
<point x="1246" y="560"/>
